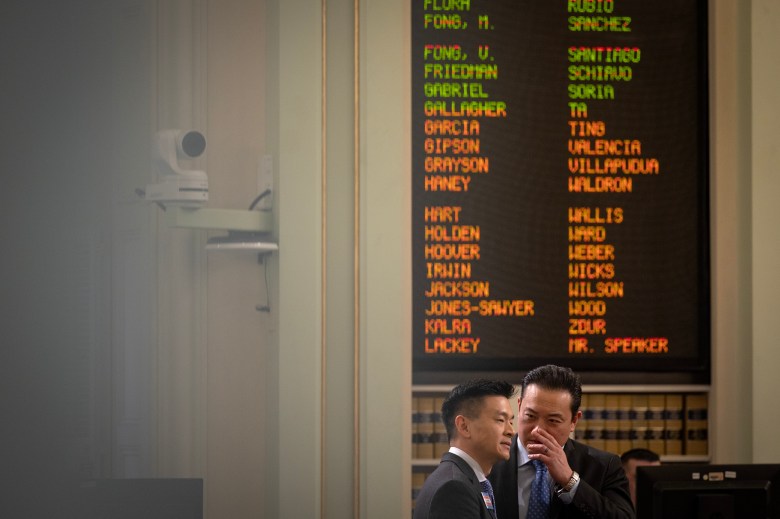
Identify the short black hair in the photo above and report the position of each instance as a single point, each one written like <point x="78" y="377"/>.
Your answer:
<point x="551" y="377"/>
<point x="466" y="399"/>
<point x="639" y="454"/>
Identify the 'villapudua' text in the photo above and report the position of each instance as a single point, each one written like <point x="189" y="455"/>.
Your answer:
<point x="613" y="166"/>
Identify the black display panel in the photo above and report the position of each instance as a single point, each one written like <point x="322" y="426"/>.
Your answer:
<point x="559" y="180"/>
<point x="682" y="491"/>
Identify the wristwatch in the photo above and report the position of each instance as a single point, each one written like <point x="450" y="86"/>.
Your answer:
<point x="573" y="480"/>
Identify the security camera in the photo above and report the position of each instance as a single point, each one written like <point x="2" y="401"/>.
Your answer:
<point x="177" y="185"/>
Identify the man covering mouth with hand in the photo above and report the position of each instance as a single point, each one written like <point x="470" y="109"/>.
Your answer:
<point x="549" y="475"/>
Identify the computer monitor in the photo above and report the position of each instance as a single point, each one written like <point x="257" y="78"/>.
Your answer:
<point x="699" y="491"/>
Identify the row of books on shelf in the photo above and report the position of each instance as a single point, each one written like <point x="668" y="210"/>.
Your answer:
<point x="429" y="436"/>
<point x="669" y="424"/>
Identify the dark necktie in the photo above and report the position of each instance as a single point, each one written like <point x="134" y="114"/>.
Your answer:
<point x="539" y="502"/>
<point x="487" y="488"/>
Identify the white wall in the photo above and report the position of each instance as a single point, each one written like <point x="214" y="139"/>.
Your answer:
<point x="238" y="335"/>
<point x="730" y="229"/>
<point x="299" y="462"/>
<point x="745" y="109"/>
<point x="765" y="216"/>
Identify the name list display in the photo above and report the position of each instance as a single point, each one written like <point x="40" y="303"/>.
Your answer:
<point x="559" y="185"/>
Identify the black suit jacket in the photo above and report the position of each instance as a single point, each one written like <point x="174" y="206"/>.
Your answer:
<point x="602" y="493"/>
<point x="452" y="491"/>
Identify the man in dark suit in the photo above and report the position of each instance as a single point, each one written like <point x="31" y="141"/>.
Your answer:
<point x="578" y="481"/>
<point x="478" y="418"/>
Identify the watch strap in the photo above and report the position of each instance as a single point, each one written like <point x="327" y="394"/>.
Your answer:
<point x="573" y="480"/>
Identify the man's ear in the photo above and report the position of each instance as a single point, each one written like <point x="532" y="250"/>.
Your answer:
<point x="462" y="426"/>
<point x="575" y="419"/>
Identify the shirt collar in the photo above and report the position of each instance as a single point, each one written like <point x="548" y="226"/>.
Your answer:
<point x="522" y="454"/>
